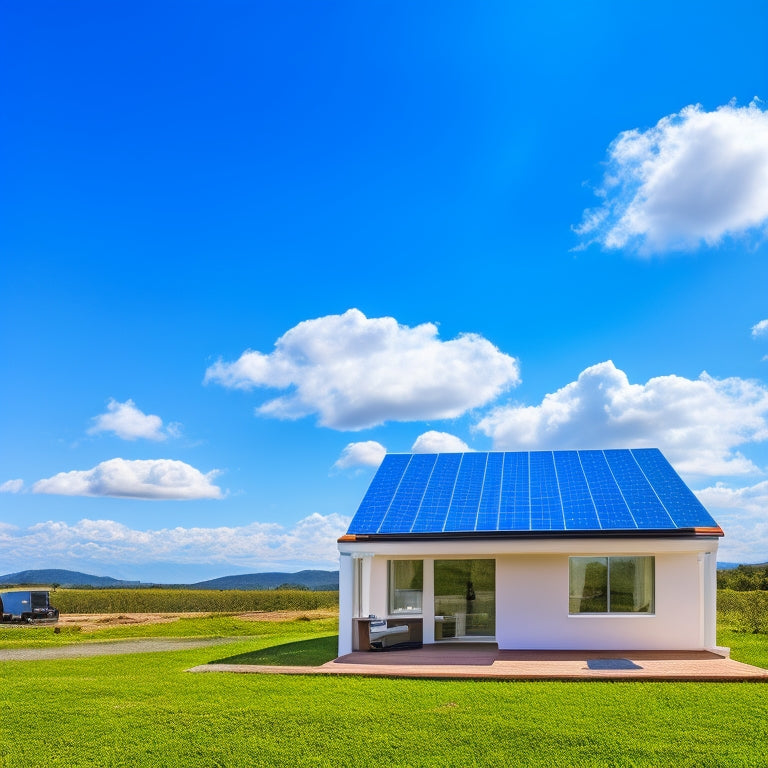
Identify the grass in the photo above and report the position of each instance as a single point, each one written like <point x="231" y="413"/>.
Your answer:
<point x="300" y="653"/>
<point x="214" y="625"/>
<point x="745" y="646"/>
<point x="146" y="710"/>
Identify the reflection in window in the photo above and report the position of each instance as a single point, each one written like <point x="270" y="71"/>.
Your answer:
<point x="465" y="599"/>
<point x="406" y="586"/>
<point x="611" y="584"/>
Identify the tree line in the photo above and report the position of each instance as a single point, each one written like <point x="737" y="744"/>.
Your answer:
<point x="744" y="578"/>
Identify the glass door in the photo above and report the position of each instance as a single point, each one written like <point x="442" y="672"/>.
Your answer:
<point x="465" y="599"/>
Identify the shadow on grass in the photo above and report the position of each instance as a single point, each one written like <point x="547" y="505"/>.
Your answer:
<point x="302" y="653"/>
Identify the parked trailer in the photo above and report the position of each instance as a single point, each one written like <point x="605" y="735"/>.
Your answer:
<point x="27" y="606"/>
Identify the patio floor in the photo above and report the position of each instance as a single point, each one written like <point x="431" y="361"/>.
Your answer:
<point x="484" y="661"/>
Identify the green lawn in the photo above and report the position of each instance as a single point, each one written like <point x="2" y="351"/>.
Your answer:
<point x="745" y="646"/>
<point x="146" y="710"/>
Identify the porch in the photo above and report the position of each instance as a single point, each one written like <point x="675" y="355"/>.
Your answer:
<point x="484" y="661"/>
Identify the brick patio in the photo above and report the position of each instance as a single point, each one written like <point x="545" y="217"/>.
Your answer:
<point x="484" y="661"/>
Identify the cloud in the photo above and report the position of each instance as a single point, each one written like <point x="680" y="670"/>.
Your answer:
<point x="741" y="513"/>
<point x="356" y="372"/>
<point x="88" y="542"/>
<point x="12" y="486"/>
<point x="760" y="329"/>
<point x="698" y="424"/>
<point x="139" y="479"/>
<point x="439" y="442"/>
<point x="695" y="177"/>
<point x="364" y="454"/>
<point x="129" y="423"/>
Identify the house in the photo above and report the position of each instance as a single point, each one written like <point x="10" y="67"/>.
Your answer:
<point x="580" y="550"/>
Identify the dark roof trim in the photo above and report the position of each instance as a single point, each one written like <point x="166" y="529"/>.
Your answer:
<point x="633" y="533"/>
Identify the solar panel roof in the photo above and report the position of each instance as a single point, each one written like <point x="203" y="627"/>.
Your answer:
<point x="530" y="492"/>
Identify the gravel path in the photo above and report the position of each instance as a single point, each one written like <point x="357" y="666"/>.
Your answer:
<point x="112" y="648"/>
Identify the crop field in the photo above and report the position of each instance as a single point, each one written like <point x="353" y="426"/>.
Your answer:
<point x="190" y="600"/>
<point x="145" y="709"/>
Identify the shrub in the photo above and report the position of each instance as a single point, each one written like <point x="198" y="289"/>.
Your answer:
<point x="745" y="611"/>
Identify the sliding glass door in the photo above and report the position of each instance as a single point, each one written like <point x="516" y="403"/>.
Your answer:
<point x="465" y="599"/>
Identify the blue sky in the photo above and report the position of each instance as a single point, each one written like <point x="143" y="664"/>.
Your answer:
<point x="247" y="247"/>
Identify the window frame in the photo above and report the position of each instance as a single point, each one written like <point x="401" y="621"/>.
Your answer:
<point x="392" y="589"/>
<point x="651" y="611"/>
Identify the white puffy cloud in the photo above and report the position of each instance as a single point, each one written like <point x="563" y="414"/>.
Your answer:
<point x="760" y="329"/>
<point x="137" y="479"/>
<point x="695" y="177"/>
<point x="364" y="454"/>
<point x="12" y="486"/>
<point x="743" y="514"/>
<point x="356" y="372"/>
<point x="129" y="423"/>
<point x="698" y="424"/>
<point x="311" y="541"/>
<point x="439" y="442"/>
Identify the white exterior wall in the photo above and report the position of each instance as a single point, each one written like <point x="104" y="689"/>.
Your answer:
<point x="532" y="608"/>
<point x="532" y="591"/>
<point x="346" y="608"/>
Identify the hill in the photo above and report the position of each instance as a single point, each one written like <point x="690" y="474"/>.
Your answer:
<point x="63" y="578"/>
<point x="314" y="580"/>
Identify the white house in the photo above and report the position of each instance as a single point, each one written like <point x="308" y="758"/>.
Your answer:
<point x="585" y="550"/>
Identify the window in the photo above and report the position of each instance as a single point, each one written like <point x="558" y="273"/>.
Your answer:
<point x="611" y="584"/>
<point x="406" y="585"/>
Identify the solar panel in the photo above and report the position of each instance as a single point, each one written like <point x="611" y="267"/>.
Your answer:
<point x="536" y="491"/>
<point x="490" y="501"/>
<point x="437" y="497"/>
<point x="673" y="493"/>
<point x="462" y="515"/>
<point x="579" y="511"/>
<point x="546" y="509"/>
<point x="515" y="507"/>
<point x="407" y="499"/>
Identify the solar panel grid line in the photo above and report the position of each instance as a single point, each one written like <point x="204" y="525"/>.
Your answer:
<point x="417" y="475"/>
<point x="646" y="508"/>
<point x="514" y="512"/>
<point x="543" y="490"/>
<point x="392" y="496"/>
<point x="480" y="497"/>
<point x="618" y="485"/>
<point x="488" y="508"/>
<point x="434" y="504"/>
<point x="453" y="492"/>
<point x="589" y="490"/>
<point x="462" y="515"/>
<point x="424" y="493"/>
<point x="559" y="491"/>
<point x="689" y="511"/>
<point x="530" y="510"/>
<point x="501" y="489"/>
<point x="650" y="484"/>
<point x="368" y="511"/>
<point x="578" y="507"/>
<point x="403" y="490"/>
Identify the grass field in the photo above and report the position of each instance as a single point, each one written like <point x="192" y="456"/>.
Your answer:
<point x="146" y="710"/>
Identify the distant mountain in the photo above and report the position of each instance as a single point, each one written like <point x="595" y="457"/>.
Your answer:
<point x="63" y="578"/>
<point x="315" y="580"/>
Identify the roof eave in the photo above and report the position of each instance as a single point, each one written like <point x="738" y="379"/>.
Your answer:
<point x="634" y="533"/>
